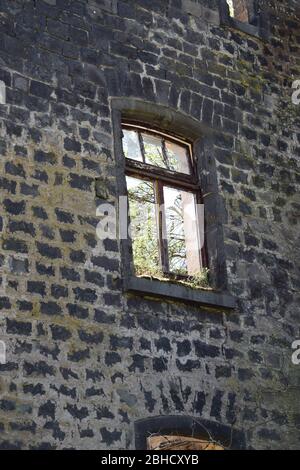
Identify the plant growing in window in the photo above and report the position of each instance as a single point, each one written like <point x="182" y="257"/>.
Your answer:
<point x="166" y="214"/>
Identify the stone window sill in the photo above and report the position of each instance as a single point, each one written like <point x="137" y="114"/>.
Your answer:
<point x="246" y="28"/>
<point x="181" y="293"/>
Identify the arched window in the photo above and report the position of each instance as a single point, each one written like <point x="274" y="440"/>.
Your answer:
<point x="185" y="433"/>
<point x="166" y="174"/>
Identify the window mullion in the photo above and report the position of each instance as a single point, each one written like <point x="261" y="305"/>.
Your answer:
<point x="161" y="223"/>
<point x="164" y="153"/>
<point x="142" y="147"/>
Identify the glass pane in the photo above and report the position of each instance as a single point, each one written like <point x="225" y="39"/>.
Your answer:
<point x="131" y="145"/>
<point x="153" y="151"/>
<point x="178" y="157"/>
<point x="175" y="156"/>
<point x="143" y="226"/>
<point x="182" y="231"/>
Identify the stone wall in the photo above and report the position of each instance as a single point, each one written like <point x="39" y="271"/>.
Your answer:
<point x="85" y="360"/>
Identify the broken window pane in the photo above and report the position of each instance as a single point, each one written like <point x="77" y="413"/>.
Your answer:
<point x="178" y="157"/>
<point x="131" y="145"/>
<point x="154" y="154"/>
<point x="143" y="226"/>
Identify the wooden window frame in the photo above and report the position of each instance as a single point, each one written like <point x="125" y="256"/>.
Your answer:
<point x="257" y="26"/>
<point x="162" y="177"/>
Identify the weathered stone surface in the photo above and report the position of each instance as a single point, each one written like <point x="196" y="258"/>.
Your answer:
<point x="86" y="360"/>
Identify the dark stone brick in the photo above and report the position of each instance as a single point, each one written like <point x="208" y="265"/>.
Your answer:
<point x="188" y="366"/>
<point x="15" y="169"/>
<point x="160" y="364"/>
<point x="104" y="412"/>
<point x="77" y="412"/>
<point x="236" y="336"/>
<point x="28" y="190"/>
<point x="117" y="342"/>
<point x="90" y="338"/>
<point x="40" y="89"/>
<point x="56" y="28"/>
<point x="21" y="226"/>
<point x="60" y="333"/>
<point x="255" y="357"/>
<point x="81" y="182"/>
<point x="79" y="355"/>
<point x="85" y="295"/>
<point x="24" y="427"/>
<point x="77" y="311"/>
<point x="63" y="216"/>
<point x="102" y="317"/>
<point x="137" y="364"/>
<point x="49" y="251"/>
<point x="87" y="433"/>
<point x="106" y="263"/>
<point x="216" y="405"/>
<point x="50" y="308"/>
<point x="68" y="236"/>
<point x="34" y="390"/>
<point x="7" y="405"/>
<point x="206" y="350"/>
<point x="68" y="162"/>
<point x="47" y="410"/>
<point x="111" y="245"/>
<point x="94" y="278"/>
<point x="58" y="291"/>
<point x="45" y="270"/>
<point x="40" y="213"/>
<point x="5" y="303"/>
<point x="78" y="256"/>
<point x="45" y="157"/>
<point x="36" y="287"/>
<point x="112" y="358"/>
<point x="8" y="185"/>
<point x="38" y="369"/>
<point x="25" y="306"/>
<point x="112" y="299"/>
<point x="72" y="146"/>
<point x="13" y="207"/>
<point x="68" y="373"/>
<point x="109" y="437"/>
<point x="163" y="344"/>
<point x="18" y="327"/>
